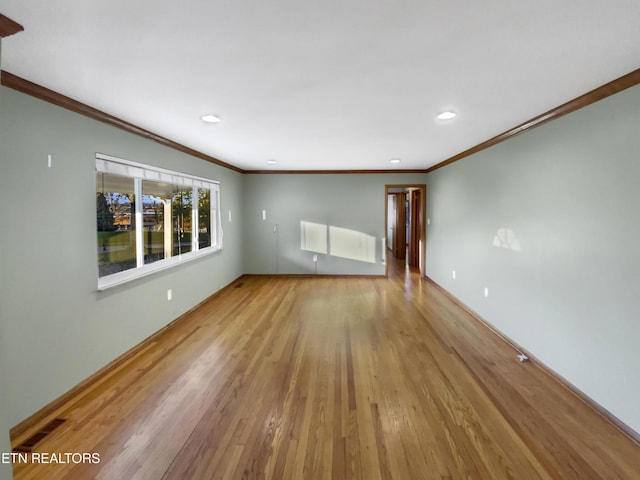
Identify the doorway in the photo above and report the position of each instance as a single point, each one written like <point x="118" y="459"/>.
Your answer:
<point x="405" y="207"/>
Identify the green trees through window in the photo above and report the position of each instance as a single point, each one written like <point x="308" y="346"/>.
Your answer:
<point x="141" y="222"/>
<point x="116" y="224"/>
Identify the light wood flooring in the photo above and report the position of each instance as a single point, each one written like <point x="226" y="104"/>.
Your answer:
<point x="332" y="378"/>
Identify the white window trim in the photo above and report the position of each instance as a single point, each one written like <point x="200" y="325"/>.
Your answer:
<point x="140" y="172"/>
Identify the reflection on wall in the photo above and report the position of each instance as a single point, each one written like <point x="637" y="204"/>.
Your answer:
<point x="337" y="241"/>
<point x="506" y="238"/>
<point x="346" y="243"/>
<point x="313" y="237"/>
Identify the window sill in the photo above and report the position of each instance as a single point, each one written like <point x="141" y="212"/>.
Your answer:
<point x="120" y="278"/>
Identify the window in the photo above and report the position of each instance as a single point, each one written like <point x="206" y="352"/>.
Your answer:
<point x="115" y="213"/>
<point x="149" y="218"/>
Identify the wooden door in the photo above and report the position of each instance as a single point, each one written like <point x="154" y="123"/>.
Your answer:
<point x="400" y="226"/>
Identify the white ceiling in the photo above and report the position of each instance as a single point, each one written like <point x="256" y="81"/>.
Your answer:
<point x="332" y="84"/>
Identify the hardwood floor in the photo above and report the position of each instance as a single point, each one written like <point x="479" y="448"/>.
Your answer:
<point x="318" y="378"/>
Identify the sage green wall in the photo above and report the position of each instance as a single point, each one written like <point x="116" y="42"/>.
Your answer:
<point x="564" y="284"/>
<point x="57" y="329"/>
<point x="355" y="202"/>
<point x="5" y="444"/>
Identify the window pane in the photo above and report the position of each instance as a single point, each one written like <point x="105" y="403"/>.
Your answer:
<point x="156" y="215"/>
<point x="182" y="206"/>
<point x="204" y="217"/>
<point x="115" y="214"/>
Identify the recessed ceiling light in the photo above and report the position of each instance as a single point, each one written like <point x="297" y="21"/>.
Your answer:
<point x="446" y="115"/>
<point x="394" y="160"/>
<point x="210" y="118"/>
<point x="271" y="162"/>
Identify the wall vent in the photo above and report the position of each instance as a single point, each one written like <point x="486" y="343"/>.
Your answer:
<point x="33" y="440"/>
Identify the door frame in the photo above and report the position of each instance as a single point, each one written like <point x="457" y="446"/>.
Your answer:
<point x="422" y="250"/>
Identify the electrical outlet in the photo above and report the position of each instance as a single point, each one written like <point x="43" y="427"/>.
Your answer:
<point x="453" y="274"/>
<point x="315" y="259"/>
<point x="486" y="292"/>
<point x="169" y="294"/>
